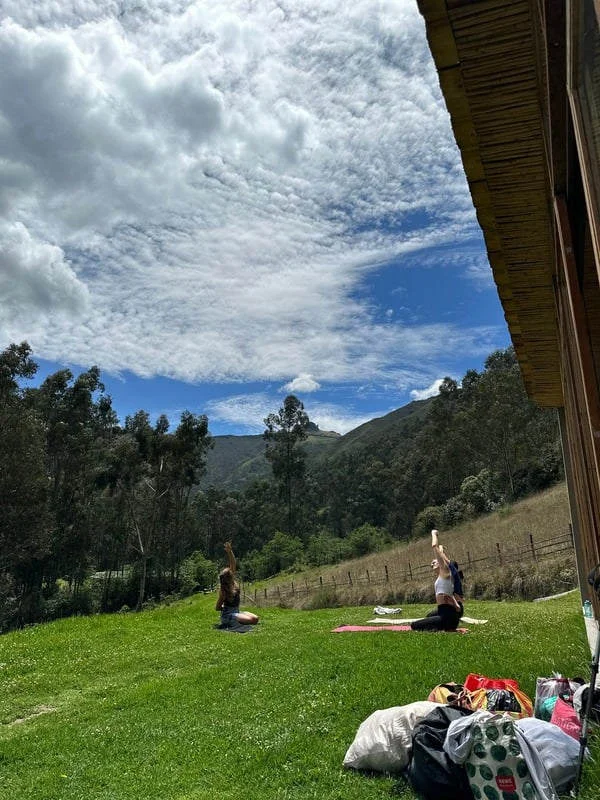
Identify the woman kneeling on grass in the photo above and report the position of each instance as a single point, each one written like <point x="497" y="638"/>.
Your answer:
<point x="228" y="602"/>
<point x="448" y="593"/>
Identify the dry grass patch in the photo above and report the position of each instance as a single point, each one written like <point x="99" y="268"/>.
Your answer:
<point x="400" y="574"/>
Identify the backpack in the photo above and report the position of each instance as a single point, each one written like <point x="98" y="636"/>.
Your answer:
<point x="431" y="773"/>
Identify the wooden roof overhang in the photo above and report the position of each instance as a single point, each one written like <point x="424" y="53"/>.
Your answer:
<point x="487" y="56"/>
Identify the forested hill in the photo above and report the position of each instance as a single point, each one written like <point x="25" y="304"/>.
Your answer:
<point x="476" y="445"/>
<point x="235" y="461"/>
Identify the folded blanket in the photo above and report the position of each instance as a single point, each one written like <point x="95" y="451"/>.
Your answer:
<point x="233" y="626"/>
<point x="395" y="628"/>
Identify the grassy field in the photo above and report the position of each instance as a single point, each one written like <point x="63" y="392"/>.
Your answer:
<point x="161" y="706"/>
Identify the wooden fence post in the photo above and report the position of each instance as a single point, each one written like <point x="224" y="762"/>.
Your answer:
<point x="349" y="579"/>
<point x="321" y="580"/>
<point x="531" y="544"/>
<point x="255" y="595"/>
<point x="265" y="593"/>
<point x="409" y="571"/>
<point x="469" y="557"/>
<point x="387" y="576"/>
<point x="368" y="577"/>
<point x="499" y="553"/>
<point x="293" y="590"/>
<point x="333" y="579"/>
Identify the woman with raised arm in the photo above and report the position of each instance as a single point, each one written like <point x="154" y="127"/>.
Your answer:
<point x="228" y="602"/>
<point x="448" y="593"/>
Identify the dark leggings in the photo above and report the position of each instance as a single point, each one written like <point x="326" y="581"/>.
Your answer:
<point x="443" y="618"/>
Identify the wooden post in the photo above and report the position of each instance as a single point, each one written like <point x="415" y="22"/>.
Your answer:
<point x="469" y="557"/>
<point x="368" y="577"/>
<point x="531" y="544"/>
<point x="387" y="576"/>
<point x="255" y="595"/>
<point x="279" y="591"/>
<point x="572" y="535"/>
<point x="321" y="580"/>
<point x="265" y="593"/>
<point x="293" y="591"/>
<point x="499" y="553"/>
<point x="350" y="579"/>
<point x="409" y="571"/>
<point x="333" y="579"/>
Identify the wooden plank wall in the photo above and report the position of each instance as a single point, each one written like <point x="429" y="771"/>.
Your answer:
<point x="577" y="304"/>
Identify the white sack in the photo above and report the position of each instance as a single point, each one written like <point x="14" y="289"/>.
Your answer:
<point x="383" y="742"/>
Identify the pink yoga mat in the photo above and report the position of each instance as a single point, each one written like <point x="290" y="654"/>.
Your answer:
<point x="397" y="628"/>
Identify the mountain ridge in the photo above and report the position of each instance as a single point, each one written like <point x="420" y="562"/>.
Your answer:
<point x="235" y="461"/>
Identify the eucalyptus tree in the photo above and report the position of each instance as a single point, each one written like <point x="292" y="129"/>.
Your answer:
<point x="152" y="474"/>
<point x="185" y="464"/>
<point x="24" y="524"/>
<point x="78" y="422"/>
<point x="285" y="430"/>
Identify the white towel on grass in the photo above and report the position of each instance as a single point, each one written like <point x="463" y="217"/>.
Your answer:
<point x="385" y="610"/>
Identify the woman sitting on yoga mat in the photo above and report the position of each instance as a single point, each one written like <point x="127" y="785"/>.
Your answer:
<point x="228" y="602"/>
<point x="448" y="593"/>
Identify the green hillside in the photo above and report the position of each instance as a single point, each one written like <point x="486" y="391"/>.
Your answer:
<point x="387" y="430"/>
<point x="235" y="461"/>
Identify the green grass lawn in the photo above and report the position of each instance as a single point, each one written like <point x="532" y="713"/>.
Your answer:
<point x="160" y="705"/>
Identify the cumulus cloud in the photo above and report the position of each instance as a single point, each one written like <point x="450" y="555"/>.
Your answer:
<point x="35" y="278"/>
<point x="303" y="383"/>
<point x="208" y="181"/>
<point x="430" y="391"/>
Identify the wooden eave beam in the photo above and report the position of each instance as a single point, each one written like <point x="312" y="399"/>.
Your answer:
<point x="489" y="65"/>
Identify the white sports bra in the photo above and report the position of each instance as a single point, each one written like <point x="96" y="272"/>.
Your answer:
<point x="444" y="586"/>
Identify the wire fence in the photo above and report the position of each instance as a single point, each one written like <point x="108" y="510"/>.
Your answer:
<point x="400" y="570"/>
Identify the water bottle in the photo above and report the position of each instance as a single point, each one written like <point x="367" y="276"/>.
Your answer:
<point x="587" y="609"/>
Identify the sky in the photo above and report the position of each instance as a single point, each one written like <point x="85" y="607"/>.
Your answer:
<point x="223" y="203"/>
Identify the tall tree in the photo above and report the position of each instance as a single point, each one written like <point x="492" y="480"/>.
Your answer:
<point x="78" y="426"/>
<point x="285" y="430"/>
<point x="152" y="473"/>
<point x="24" y="523"/>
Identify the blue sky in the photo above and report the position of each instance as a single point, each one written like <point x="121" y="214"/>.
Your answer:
<point x="219" y="204"/>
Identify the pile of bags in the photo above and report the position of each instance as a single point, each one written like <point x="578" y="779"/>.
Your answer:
<point x="477" y="740"/>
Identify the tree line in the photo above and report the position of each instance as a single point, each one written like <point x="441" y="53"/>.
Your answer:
<point x="100" y="516"/>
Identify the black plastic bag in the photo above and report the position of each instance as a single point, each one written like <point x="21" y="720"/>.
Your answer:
<point x="432" y="775"/>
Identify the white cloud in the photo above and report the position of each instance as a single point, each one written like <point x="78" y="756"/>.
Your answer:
<point x="330" y="417"/>
<point x="248" y="411"/>
<point x="480" y="272"/>
<point x="430" y="391"/>
<point x="245" y="410"/>
<point x="303" y="383"/>
<point x="207" y="182"/>
<point x="35" y="279"/>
